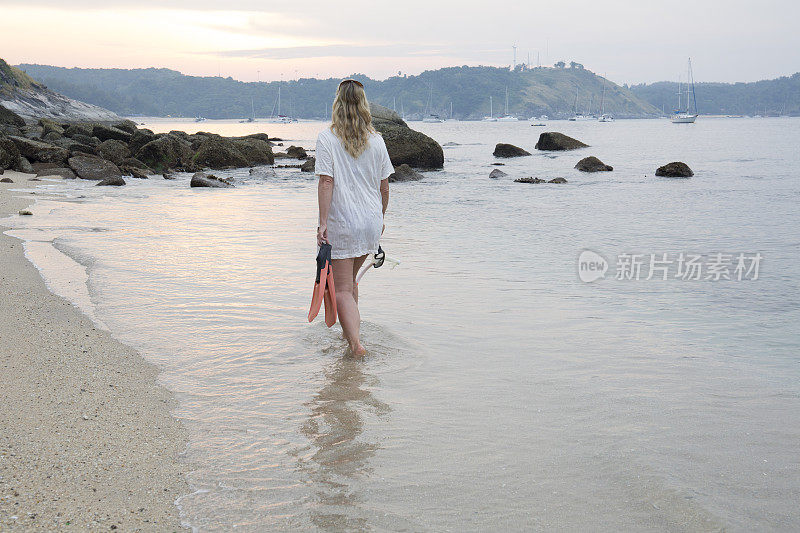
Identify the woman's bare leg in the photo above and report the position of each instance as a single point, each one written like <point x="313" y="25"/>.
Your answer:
<point x="357" y="262"/>
<point x="346" y="301"/>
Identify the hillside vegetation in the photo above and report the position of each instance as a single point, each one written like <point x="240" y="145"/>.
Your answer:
<point x="162" y="92"/>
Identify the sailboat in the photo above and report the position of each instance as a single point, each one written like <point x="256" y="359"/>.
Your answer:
<point x="603" y="116"/>
<point x="681" y="115"/>
<point x="431" y="117"/>
<point x="280" y="119"/>
<point x="506" y="117"/>
<point x="490" y="118"/>
<point x="578" y="116"/>
<point x="252" y="117"/>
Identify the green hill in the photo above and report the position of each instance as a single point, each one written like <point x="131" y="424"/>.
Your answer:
<point x="162" y="92"/>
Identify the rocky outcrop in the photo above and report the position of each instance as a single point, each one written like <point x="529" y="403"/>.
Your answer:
<point x="105" y="133"/>
<point x="255" y="150"/>
<point x="406" y="146"/>
<point x="509" y="150"/>
<point x="165" y="152"/>
<point x="40" y="151"/>
<point x="9" y="153"/>
<point x="555" y="141"/>
<point x="497" y="173"/>
<point x="539" y="180"/>
<point x="115" y="182"/>
<point x="676" y="169"/>
<point x="9" y="117"/>
<point x="309" y="165"/>
<point x="592" y="164"/>
<point x="218" y="153"/>
<point x="201" y="179"/>
<point x="93" y="168"/>
<point x="113" y="150"/>
<point x="296" y="152"/>
<point x="404" y="173"/>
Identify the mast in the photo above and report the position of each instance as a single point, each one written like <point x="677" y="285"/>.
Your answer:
<point x="603" y="99"/>
<point x="279" y="97"/>
<point x="491" y="112"/>
<point x="576" y="100"/>
<point x="252" y="109"/>
<point x="694" y="97"/>
<point x="506" y="99"/>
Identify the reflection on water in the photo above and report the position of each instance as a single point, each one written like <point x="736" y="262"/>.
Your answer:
<point x="338" y="453"/>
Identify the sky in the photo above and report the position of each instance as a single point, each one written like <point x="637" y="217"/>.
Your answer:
<point x="250" y="40"/>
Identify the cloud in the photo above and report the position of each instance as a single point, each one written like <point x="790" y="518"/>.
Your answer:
<point x="338" y="50"/>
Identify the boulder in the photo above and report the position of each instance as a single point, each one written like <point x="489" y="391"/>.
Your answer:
<point x="404" y="144"/>
<point x="592" y="164"/>
<point x="201" y="179"/>
<point x="165" y="152"/>
<point x="79" y="129"/>
<point x="126" y="125"/>
<point x="6" y="180"/>
<point x="497" y="173"/>
<point x="557" y="180"/>
<point x="676" y="169"/>
<point x="34" y="132"/>
<point x="133" y="162"/>
<point x="23" y="165"/>
<point x="139" y="139"/>
<point x="63" y="172"/>
<point x="85" y="139"/>
<point x="256" y="151"/>
<point x="133" y="172"/>
<point x="93" y="168"/>
<point x="260" y="136"/>
<point x="530" y="180"/>
<point x="218" y="152"/>
<point x="168" y="176"/>
<point x="26" y="212"/>
<point x="49" y="126"/>
<point x="296" y="152"/>
<point x="9" y="153"/>
<point x="509" y="150"/>
<point x="309" y="165"/>
<point x="9" y="117"/>
<point x="52" y="137"/>
<point x="553" y="140"/>
<point x="113" y="150"/>
<point x="105" y="133"/>
<point x="38" y="167"/>
<point x="40" y="151"/>
<point x="404" y="173"/>
<point x="115" y="181"/>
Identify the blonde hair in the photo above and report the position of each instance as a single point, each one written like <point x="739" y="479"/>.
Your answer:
<point x="351" y="120"/>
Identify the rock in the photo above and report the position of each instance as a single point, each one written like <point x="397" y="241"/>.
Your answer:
<point x="218" y="152"/>
<point x="450" y="144"/>
<point x="529" y="180"/>
<point x="38" y="167"/>
<point x="113" y="150"/>
<point x="281" y="155"/>
<point x="116" y="182"/>
<point x="260" y="136"/>
<point x="139" y="139"/>
<point x="404" y="144"/>
<point x="255" y="150"/>
<point x="133" y="162"/>
<point x="553" y="140"/>
<point x="52" y="137"/>
<point x="34" y="132"/>
<point x="557" y="180"/>
<point x="133" y="172"/>
<point x="404" y="173"/>
<point x="6" y="180"/>
<point x="296" y="152"/>
<point x="201" y="179"/>
<point x="94" y="168"/>
<point x="168" y="176"/>
<point x="105" y="133"/>
<point x="49" y="126"/>
<point x="592" y="164"/>
<point x="498" y="164"/>
<point x="79" y="129"/>
<point x="509" y="150"/>
<point x="262" y="172"/>
<point x="9" y="117"/>
<point x="40" y="151"/>
<point x="676" y="169"/>
<point x="126" y="125"/>
<point x="63" y="172"/>
<point x="309" y="165"/>
<point x="82" y="149"/>
<point x="165" y="152"/>
<point x="9" y="153"/>
<point x="85" y="139"/>
<point x="25" y="212"/>
<point x="23" y="165"/>
<point x="497" y="173"/>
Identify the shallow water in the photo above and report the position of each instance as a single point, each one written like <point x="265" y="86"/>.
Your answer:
<point x="500" y="391"/>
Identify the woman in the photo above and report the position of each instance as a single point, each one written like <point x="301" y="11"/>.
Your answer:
<point x="353" y="168"/>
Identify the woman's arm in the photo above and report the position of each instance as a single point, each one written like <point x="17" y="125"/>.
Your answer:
<point x="385" y="194"/>
<point x="324" y="195"/>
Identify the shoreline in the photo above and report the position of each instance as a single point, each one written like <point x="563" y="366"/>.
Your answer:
<point x="88" y="441"/>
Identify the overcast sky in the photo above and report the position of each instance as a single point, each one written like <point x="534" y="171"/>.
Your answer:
<point x="630" y="41"/>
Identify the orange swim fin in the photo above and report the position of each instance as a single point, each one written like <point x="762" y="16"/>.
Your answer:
<point x="323" y="288"/>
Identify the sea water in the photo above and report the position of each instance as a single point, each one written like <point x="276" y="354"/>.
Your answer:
<point x="500" y="392"/>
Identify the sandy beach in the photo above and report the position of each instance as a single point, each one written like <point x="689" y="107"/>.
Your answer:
<point x="87" y="441"/>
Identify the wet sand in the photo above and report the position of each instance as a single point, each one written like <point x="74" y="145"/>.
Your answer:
<point x="87" y="441"/>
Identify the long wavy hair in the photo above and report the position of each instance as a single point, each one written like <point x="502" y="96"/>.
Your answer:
<point x="351" y="120"/>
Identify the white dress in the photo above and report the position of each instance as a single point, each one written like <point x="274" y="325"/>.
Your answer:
<point x="355" y="218"/>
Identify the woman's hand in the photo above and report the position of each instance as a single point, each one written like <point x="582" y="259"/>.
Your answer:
<point x="322" y="234"/>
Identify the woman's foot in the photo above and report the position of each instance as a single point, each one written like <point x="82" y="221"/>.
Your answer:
<point x="358" y="349"/>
